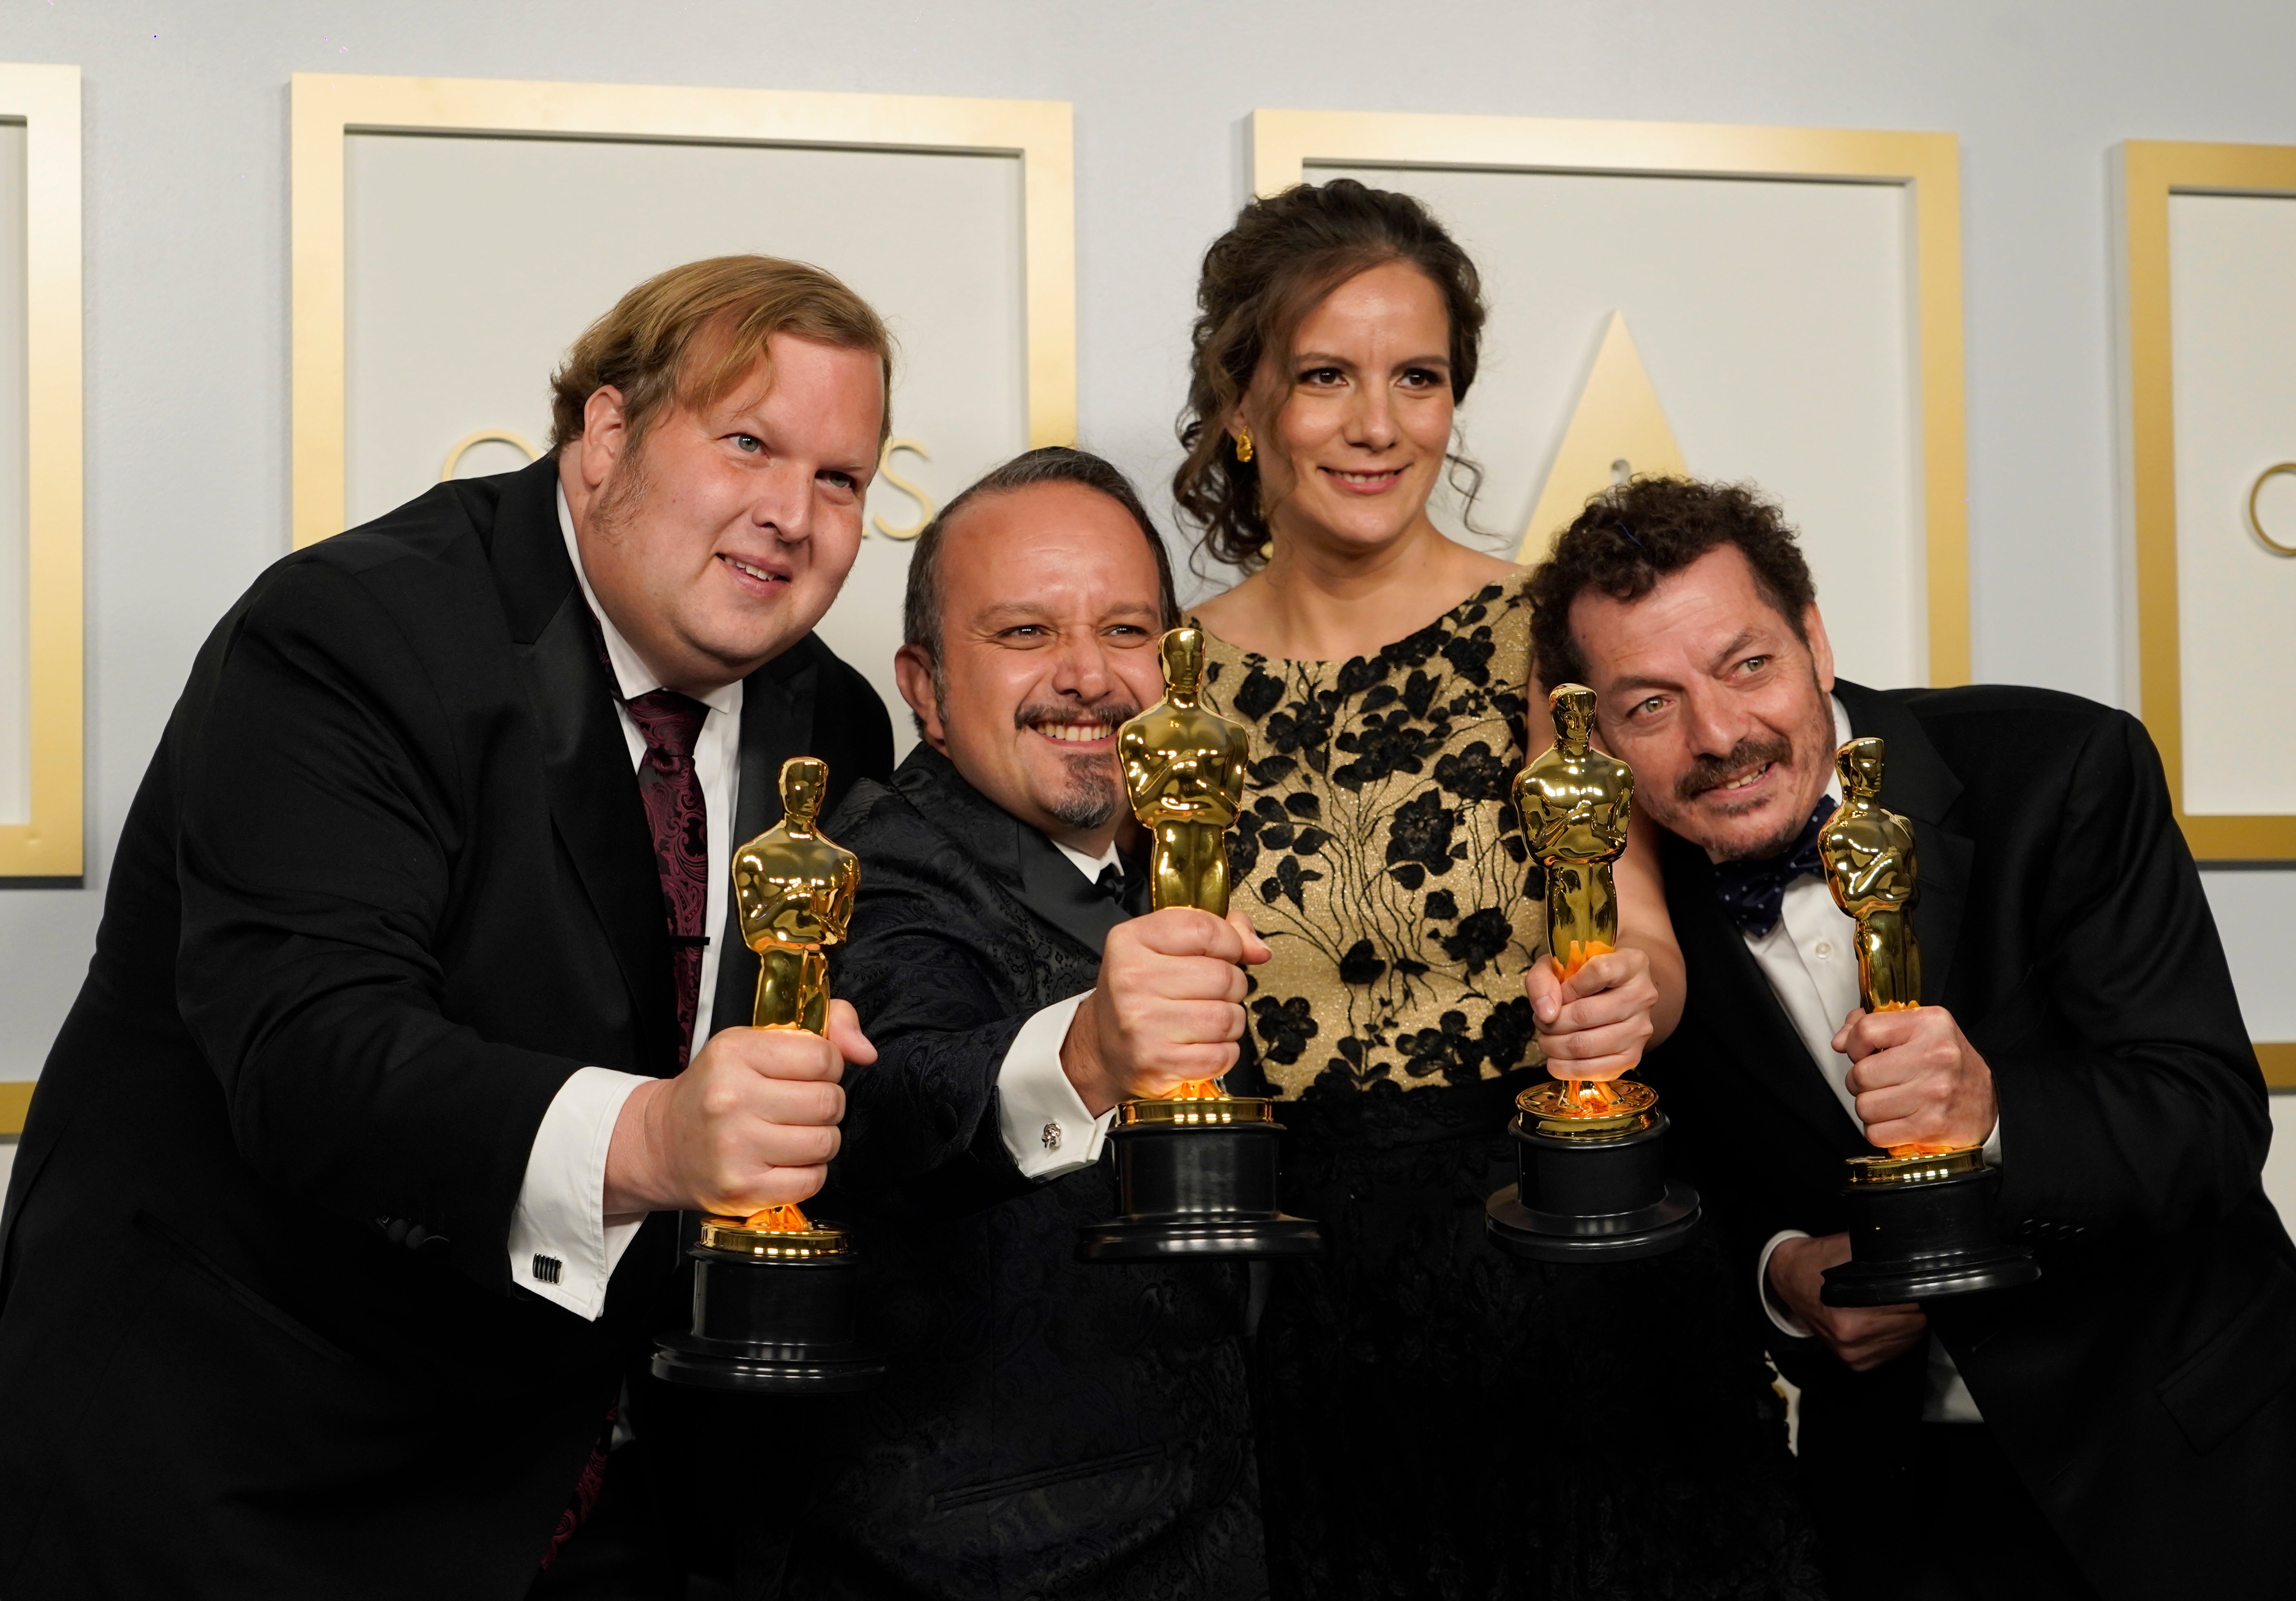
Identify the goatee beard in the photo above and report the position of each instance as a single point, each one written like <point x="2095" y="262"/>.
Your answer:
<point x="1094" y="792"/>
<point x="1092" y="797"/>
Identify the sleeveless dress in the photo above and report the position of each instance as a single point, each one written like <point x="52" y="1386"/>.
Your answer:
<point x="1437" y="1418"/>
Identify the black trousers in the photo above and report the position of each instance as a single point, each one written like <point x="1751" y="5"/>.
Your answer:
<point x="1956" y="1526"/>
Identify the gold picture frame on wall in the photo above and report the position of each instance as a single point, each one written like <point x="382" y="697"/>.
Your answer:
<point x="327" y="107"/>
<point x="45" y="850"/>
<point x="2151" y="171"/>
<point x="1286" y="145"/>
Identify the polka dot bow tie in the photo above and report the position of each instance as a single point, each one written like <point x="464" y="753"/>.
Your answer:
<point x="1753" y="893"/>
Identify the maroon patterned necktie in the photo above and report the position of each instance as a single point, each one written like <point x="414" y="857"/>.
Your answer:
<point x="670" y="724"/>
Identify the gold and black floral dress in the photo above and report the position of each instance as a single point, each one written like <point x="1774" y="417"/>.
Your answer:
<point x="1380" y="858"/>
<point x="1435" y="1418"/>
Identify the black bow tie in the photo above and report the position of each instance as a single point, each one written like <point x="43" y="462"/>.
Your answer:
<point x="1753" y="891"/>
<point x="1125" y="884"/>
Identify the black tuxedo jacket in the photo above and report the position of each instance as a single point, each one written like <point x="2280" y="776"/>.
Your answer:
<point x="1047" y="1427"/>
<point x="2141" y="1387"/>
<point x="387" y="884"/>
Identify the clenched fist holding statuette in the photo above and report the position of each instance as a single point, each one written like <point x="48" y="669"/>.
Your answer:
<point x="1575" y="802"/>
<point x="1591" y="1172"/>
<point x="1197" y="1168"/>
<point x="1921" y="1216"/>
<point x="773" y="1291"/>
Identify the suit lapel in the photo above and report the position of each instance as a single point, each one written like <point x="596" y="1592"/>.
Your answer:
<point x="1730" y="991"/>
<point x="594" y="792"/>
<point x="1027" y="863"/>
<point x="1053" y="888"/>
<point x="1916" y="783"/>
<point x="776" y="725"/>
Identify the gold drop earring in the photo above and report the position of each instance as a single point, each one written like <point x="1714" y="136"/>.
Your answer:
<point x="1242" y="443"/>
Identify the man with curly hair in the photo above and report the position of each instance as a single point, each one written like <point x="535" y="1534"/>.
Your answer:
<point x="2124" y="1427"/>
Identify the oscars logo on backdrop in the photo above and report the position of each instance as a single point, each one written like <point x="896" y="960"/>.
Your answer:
<point x="925" y="503"/>
<point x="485" y="436"/>
<point x="925" y="507"/>
<point x="1618" y="429"/>
<point x="2278" y="547"/>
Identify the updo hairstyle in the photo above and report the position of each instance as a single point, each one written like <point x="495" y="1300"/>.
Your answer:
<point x="1260" y="278"/>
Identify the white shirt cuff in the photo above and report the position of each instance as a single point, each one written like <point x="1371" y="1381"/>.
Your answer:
<point x="1993" y="1145"/>
<point x="1787" y="1321"/>
<point x="1043" y="1120"/>
<point x="563" y="1245"/>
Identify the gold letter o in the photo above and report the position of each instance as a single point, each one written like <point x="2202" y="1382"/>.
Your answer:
<point x="485" y="436"/>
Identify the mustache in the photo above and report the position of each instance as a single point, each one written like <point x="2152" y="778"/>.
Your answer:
<point x="1711" y="772"/>
<point x="1114" y="714"/>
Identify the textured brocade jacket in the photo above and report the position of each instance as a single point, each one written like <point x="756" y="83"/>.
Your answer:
<point x="2145" y="1384"/>
<point x="1047" y="1427"/>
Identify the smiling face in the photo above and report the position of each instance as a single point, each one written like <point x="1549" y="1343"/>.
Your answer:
<point x="724" y="536"/>
<point x="1050" y="619"/>
<point x="1350" y="433"/>
<point x="1708" y="693"/>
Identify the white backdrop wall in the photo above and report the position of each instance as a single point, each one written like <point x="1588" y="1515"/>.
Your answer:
<point x="186" y="188"/>
<point x="443" y="343"/>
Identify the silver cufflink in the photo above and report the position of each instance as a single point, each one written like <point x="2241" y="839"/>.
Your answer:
<point x="1051" y="1136"/>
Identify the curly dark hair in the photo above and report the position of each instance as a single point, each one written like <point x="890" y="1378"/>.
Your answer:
<point x="1260" y="278"/>
<point x="1631" y="535"/>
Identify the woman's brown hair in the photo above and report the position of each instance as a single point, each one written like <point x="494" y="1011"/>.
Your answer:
<point x="1260" y="278"/>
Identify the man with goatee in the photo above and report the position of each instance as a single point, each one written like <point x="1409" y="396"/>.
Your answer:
<point x="1047" y="1427"/>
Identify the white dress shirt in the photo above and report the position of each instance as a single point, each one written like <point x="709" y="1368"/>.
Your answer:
<point x="1811" y="958"/>
<point x="562" y="1247"/>
<point x="1045" y="1122"/>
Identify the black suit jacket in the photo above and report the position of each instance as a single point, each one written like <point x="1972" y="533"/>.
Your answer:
<point x="2141" y="1387"/>
<point x="387" y="884"/>
<point x="1047" y="1427"/>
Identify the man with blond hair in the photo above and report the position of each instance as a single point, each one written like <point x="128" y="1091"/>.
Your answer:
<point x="350" y="1188"/>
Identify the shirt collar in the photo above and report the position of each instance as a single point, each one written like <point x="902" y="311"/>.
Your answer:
<point x="632" y="676"/>
<point x="1091" y="866"/>
<point x="1841" y="736"/>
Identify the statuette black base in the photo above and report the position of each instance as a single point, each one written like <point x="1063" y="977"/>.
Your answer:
<point x="770" y="1325"/>
<point x="1926" y="1238"/>
<point x="1197" y="1179"/>
<point x="1596" y="1197"/>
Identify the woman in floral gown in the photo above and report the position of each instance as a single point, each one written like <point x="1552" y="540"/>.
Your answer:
<point x="1436" y="1419"/>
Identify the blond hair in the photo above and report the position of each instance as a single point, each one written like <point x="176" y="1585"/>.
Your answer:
<point x="691" y="334"/>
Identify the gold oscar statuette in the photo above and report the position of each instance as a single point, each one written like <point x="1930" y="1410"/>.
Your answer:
<point x="1197" y="1169"/>
<point x="1574" y="802"/>
<point x="1920" y="1217"/>
<point x="1872" y="870"/>
<point x="795" y="888"/>
<point x="776" y="1309"/>
<point x="1590" y="1182"/>
<point x="1185" y="767"/>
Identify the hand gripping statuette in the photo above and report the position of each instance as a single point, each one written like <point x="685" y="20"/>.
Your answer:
<point x="1872" y="870"/>
<point x="1921" y="1216"/>
<point x="1196" y="1170"/>
<point x="1589" y="1154"/>
<point x="773" y="1292"/>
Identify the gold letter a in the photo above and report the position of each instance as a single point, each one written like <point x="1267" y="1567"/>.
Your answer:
<point x="1618" y="420"/>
